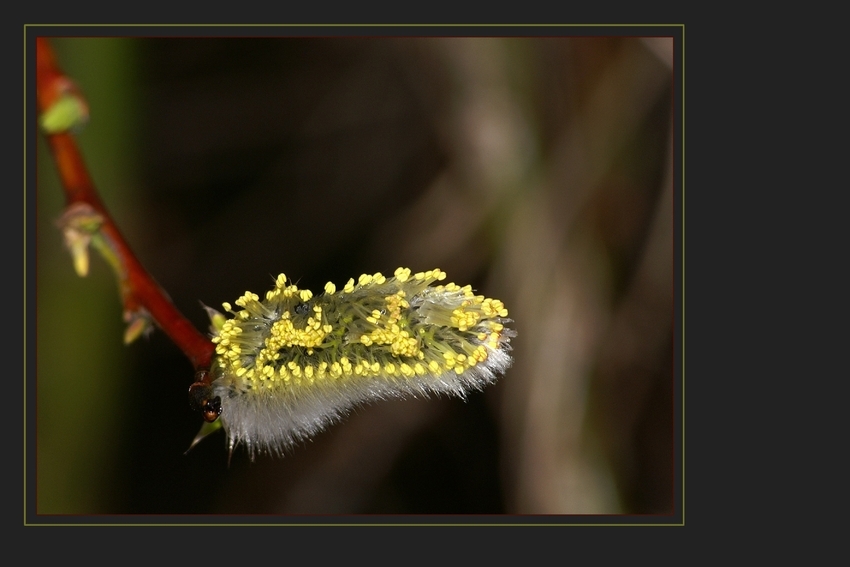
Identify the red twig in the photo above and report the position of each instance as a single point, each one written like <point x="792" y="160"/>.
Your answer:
<point x="140" y="293"/>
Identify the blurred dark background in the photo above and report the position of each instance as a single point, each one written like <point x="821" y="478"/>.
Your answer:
<point x="538" y="170"/>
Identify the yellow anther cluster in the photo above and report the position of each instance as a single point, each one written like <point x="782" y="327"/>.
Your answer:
<point x="493" y="308"/>
<point x="436" y="274"/>
<point x="388" y="331"/>
<point x="493" y="340"/>
<point x="480" y="353"/>
<point x="247" y="299"/>
<point x="374" y="333"/>
<point x="474" y="308"/>
<point x="365" y="280"/>
<point x="395" y="303"/>
<point x="459" y="362"/>
<point x="283" y="291"/>
<point x="400" y="341"/>
<point x="283" y="332"/>
<point x="463" y="320"/>
<point x="226" y="340"/>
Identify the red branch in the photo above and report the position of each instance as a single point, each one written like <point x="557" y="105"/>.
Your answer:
<point x="140" y="289"/>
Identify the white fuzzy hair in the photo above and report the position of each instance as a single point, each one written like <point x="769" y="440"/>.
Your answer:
<point x="273" y="421"/>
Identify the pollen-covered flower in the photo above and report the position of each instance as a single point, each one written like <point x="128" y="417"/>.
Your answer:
<point x="290" y="363"/>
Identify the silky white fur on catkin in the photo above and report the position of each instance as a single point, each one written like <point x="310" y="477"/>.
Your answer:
<point x="291" y="364"/>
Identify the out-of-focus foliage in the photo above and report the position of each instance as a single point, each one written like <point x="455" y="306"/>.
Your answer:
<point x="539" y="170"/>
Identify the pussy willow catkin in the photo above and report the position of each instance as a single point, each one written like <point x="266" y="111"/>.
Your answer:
<point x="291" y="363"/>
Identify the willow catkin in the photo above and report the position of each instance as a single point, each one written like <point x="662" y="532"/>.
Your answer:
<point x="291" y="363"/>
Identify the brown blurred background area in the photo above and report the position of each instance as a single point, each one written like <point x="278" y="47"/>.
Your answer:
<point x="539" y="170"/>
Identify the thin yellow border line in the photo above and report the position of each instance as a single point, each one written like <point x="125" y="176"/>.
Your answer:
<point x="683" y="275"/>
<point x="365" y="525"/>
<point x="681" y="26"/>
<point x="25" y="277"/>
<point x="529" y="25"/>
